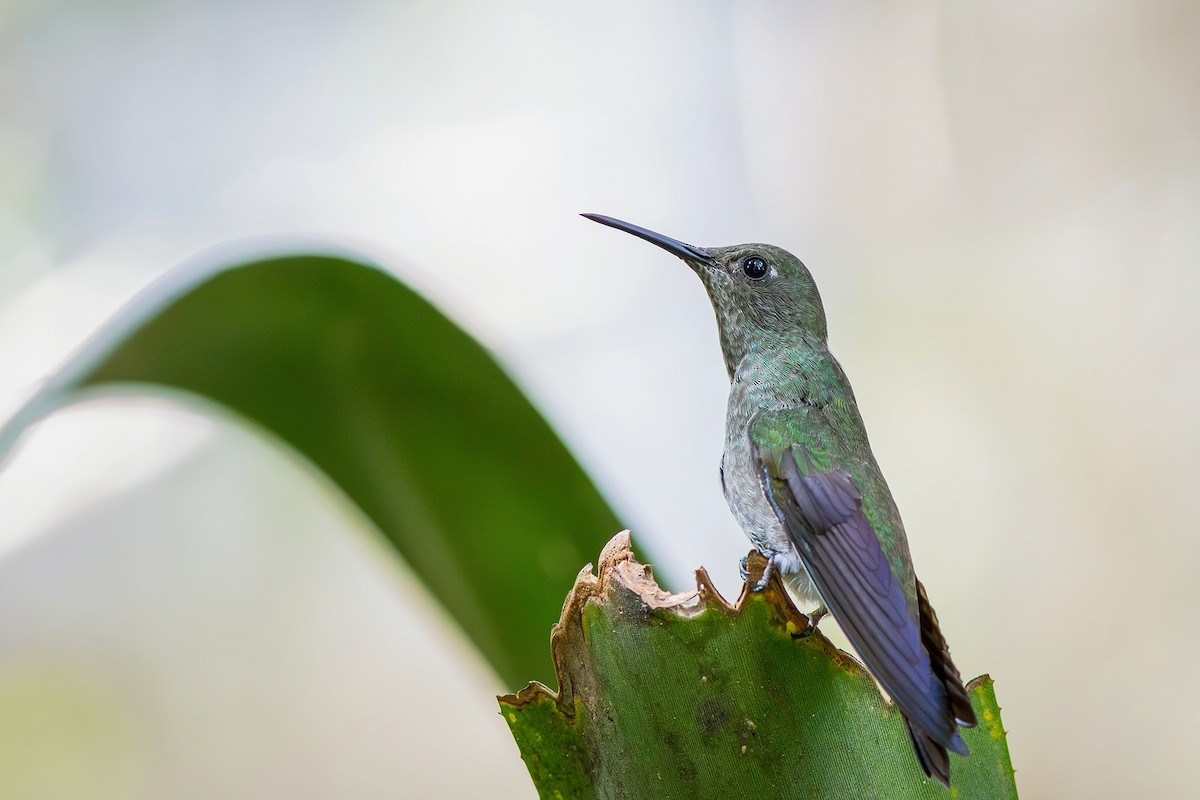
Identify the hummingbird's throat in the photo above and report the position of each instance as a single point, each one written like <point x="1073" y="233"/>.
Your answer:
<point x="736" y="332"/>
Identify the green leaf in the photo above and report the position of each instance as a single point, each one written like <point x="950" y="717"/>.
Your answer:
<point x="687" y="696"/>
<point x="404" y="411"/>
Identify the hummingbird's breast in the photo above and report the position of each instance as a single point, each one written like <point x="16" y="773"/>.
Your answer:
<point x="760" y="384"/>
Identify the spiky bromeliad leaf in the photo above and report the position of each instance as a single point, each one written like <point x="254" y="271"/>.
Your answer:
<point x="405" y="412"/>
<point x="687" y="696"/>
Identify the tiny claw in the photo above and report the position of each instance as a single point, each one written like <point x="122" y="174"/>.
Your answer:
<point x="743" y="570"/>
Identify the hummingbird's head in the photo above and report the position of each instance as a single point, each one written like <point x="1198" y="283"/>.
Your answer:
<point x="761" y="293"/>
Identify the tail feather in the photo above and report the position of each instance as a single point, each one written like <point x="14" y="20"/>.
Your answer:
<point x="932" y="757"/>
<point x="932" y="753"/>
<point x="943" y="667"/>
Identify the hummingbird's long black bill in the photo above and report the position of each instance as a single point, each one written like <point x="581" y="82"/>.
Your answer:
<point x="685" y="251"/>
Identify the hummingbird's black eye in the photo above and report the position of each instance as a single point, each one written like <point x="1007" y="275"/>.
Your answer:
<point x="754" y="267"/>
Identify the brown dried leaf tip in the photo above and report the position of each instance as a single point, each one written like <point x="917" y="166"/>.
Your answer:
<point x="621" y="581"/>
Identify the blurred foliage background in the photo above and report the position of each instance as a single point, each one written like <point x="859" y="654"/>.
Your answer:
<point x="999" y="202"/>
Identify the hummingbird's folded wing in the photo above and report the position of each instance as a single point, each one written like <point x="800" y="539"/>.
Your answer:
<point x="822" y="511"/>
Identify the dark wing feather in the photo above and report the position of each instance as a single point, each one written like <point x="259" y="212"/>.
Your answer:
<point x="821" y="510"/>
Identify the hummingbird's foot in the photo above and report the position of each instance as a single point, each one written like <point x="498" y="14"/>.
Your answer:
<point x="763" y="580"/>
<point x="814" y="619"/>
<point x="768" y="571"/>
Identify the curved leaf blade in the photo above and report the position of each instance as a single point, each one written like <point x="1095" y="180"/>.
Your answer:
<point x="402" y="409"/>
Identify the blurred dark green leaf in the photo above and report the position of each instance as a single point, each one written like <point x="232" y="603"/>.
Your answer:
<point x="691" y="698"/>
<point x="409" y="415"/>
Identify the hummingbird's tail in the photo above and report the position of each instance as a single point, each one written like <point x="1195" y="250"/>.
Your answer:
<point x="958" y="700"/>
<point x="931" y="754"/>
<point x="932" y="757"/>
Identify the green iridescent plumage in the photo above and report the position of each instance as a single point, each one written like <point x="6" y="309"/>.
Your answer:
<point x="825" y="437"/>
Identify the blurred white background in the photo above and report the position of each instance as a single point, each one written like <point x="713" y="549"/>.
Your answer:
<point x="1000" y="202"/>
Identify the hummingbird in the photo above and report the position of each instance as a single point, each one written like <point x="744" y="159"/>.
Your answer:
<point x="801" y="480"/>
